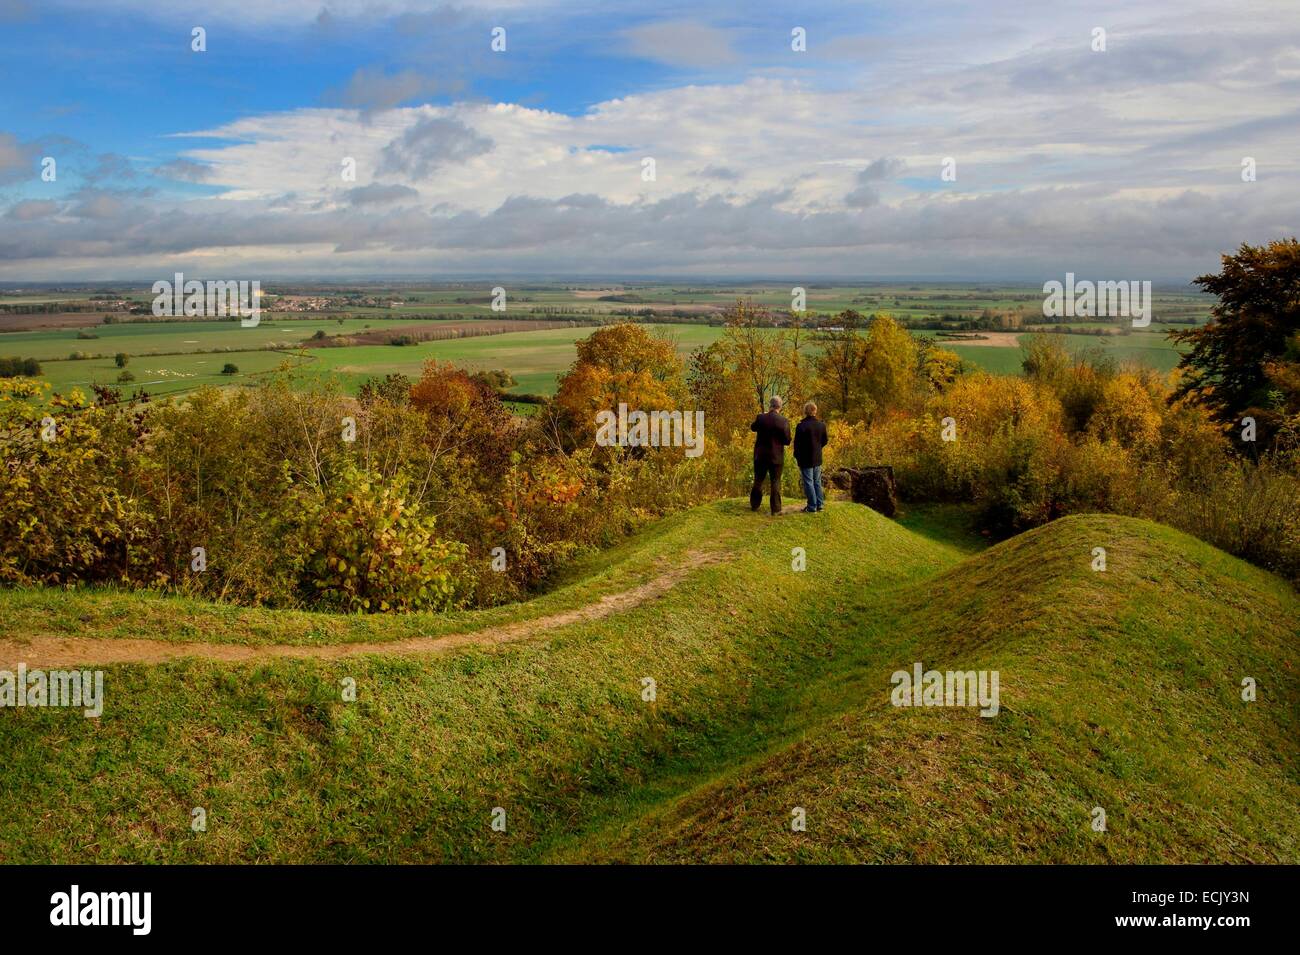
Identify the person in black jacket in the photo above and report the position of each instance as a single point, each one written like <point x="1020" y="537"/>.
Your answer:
<point x="771" y="435"/>
<point x="809" y="439"/>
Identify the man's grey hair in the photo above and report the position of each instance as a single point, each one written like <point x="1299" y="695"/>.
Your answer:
<point x="775" y="403"/>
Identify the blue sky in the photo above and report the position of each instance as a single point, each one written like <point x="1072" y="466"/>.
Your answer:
<point x="767" y="160"/>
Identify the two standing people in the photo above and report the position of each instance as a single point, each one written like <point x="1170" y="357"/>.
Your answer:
<point x="771" y="435"/>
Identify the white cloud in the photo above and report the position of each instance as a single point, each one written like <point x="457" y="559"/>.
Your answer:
<point x="1066" y="159"/>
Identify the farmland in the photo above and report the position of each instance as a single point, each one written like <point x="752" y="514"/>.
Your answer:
<point x="77" y="347"/>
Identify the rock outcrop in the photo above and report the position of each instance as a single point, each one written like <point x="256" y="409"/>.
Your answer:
<point x="872" y="486"/>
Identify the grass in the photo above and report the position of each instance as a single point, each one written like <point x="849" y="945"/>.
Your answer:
<point x="166" y="374"/>
<point x="142" y="338"/>
<point x="536" y="359"/>
<point x="1119" y="689"/>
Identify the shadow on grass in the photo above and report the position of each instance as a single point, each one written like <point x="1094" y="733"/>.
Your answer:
<point x="952" y="525"/>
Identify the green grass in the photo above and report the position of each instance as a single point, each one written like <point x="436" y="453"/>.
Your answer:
<point x="1119" y="689"/>
<point x="171" y="338"/>
<point x="166" y="374"/>
<point x="535" y="358"/>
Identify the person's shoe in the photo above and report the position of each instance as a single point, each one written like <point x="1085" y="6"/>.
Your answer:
<point x="809" y="510"/>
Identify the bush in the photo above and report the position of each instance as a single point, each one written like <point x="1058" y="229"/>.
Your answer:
<point x="370" y="550"/>
<point x="19" y="368"/>
<point x="230" y="368"/>
<point x="67" y="508"/>
<point x="1249" y="509"/>
<point x="296" y="509"/>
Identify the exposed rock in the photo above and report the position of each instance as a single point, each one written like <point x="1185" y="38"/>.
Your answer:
<point x="872" y="486"/>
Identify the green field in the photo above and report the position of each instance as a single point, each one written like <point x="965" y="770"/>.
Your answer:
<point x="536" y="359"/>
<point x="169" y="338"/>
<point x="163" y="353"/>
<point x="773" y="692"/>
<point x="167" y="374"/>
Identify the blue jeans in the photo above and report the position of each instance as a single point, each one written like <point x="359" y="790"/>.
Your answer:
<point x="812" y="487"/>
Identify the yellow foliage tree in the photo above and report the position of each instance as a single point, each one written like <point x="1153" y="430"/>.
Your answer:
<point x="619" y="364"/>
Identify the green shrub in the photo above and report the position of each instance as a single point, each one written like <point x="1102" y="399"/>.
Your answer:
<point x="67" y="508"/>
<point x="19" y="368"/>
<point x="368" y="549"/>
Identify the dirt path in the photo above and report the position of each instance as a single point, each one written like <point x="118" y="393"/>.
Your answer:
<point x="48" y="651"/>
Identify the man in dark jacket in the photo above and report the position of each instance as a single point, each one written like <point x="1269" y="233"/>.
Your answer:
<point x="809" y="439"/>
<point x="771" y="435"/>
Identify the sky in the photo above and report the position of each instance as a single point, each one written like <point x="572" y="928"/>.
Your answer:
<point x="991" y="141"/>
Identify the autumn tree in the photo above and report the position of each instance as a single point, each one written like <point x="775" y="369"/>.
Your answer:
<point x="758" y="349"/>
<point x="800" y="374"/>
<point x="464" y="418"/>
<point x="937" y="367"/>
<point x="1246" y="360"/>
<point x="889" y="369"/>
<point x="843" y="352"/>
<point x="618" y="364"/>
<point x="720" y="390"/>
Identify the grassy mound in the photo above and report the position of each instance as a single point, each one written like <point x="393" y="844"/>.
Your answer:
<point x="1119" y="689"/>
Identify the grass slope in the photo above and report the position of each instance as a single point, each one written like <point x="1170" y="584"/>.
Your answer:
<point x="1119" y="689"/>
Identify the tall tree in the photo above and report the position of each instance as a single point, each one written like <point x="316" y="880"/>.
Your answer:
<point x="890" y="366"/>
<point x="758" y="349"/>
<point x="842" y="356"/>
<point x="621" y="363"/>
<point x="1239" y="363"/>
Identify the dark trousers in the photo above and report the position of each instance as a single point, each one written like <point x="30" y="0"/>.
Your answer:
<point x="763" y="469"/>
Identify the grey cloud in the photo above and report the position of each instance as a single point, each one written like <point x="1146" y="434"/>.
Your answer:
<point x="372" y="90"/>
<point x="110" y="166"/>
<point x="885" y="167"/>
<point x="425" y="24"/>
<point x="1138" y="62"/>
<point x="683" y="43"/>
<point x="96" y="204"/>
<point x="718" y="172"/>
<point x="864" y="196"/>
<point x="184" y="170"/>
<point x="30" y="209"/>
<point x="1110" y="234"/>
<point x="431" y="143"/>
<point x="376" y="193"/>
<point x="16" y="158"/>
